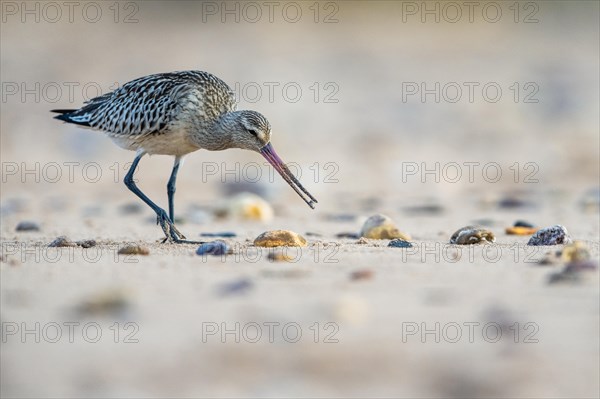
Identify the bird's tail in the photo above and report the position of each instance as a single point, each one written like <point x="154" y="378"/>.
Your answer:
<point x="71" y="116"/>
<point x="62" y="111"/>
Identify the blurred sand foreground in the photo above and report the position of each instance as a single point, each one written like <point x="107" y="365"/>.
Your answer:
<point x="434" y="320"/>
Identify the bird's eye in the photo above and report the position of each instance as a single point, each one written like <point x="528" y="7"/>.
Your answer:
<point x="253" y="132"/>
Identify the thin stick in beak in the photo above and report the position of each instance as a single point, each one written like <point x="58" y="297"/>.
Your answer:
<point x="270" y="155"/>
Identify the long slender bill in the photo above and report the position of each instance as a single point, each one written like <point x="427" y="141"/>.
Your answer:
<point x="270" y="155"/>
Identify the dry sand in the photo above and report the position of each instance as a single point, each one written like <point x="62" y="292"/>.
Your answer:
<point x="162" y="316"/>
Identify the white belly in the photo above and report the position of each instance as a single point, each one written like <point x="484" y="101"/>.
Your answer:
<point x="172" y="143"/>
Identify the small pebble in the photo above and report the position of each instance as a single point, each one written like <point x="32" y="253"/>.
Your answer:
<point x="62" y="241"/>
<point x="131" y="208"/>
<point x="240" y="286"/>
<point x="424" y="210"/>
<point x="27" y="226"/>
<point x="224" y="234"/>
<point x="86" y="243"/>
<point x="472" y="235"/>
<point x="522" y="223"/>
<point x="575" y="252"/>
<point x="134" y="250"/>
<point x="347" y="235"/>
<point x="554" y="235"/>
<point x="521" y="230"/>
<point x="398" y="243"/>
<point x="562" y="277"/>
<point x="247" y="206"/>
<point x="572" y="272"/>
<point x="293" y="273"/>
<point x="581" y="266"/>
<point x="364" y="274"/>
<point x="312" y="234"/>
<point x="109" y="302"/>
<point x="215" y="248"/>
<point x="499" y="315"/>
<point x="280" y="238"/>
<point x="513" y="202"/>
<point x="381" y="227"/>
<point x="549" y="258"/>
<point x="362" y="241"/>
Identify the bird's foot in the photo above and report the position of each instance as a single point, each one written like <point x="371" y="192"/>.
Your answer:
<point x="172" y="234"/>
<point x="187" y="242"/>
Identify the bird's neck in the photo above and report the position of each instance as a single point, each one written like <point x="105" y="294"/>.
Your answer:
<point x="215" y="136"/>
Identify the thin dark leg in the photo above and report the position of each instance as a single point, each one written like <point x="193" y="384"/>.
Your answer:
<point x="131" y="184"/>
<point x="171" y="232"/>
<point x="171" y="188"/>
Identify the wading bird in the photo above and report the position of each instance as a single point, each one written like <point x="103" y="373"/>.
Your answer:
<point x="174" y="114"/>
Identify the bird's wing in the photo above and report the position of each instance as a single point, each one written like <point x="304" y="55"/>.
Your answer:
<point x="150" y="104"/>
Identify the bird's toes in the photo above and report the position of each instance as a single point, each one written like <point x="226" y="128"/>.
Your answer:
<point x="172" y="234"/>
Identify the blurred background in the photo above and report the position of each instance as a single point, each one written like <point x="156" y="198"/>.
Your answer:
<point x="350" y="89"/>
<point x="364" y="99"/>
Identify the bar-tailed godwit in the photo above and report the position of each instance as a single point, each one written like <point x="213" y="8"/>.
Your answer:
<point x="174" y="114"/>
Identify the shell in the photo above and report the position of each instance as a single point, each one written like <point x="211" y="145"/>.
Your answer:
<point x="577" y="251"/>
<point x="134" y="250"/>
<point x="521" y="230"/>
<point x="381" y="227"/>
<point x="280" y="238"/>
<point x="247" y="206"/>
<point x="472" y="235"/>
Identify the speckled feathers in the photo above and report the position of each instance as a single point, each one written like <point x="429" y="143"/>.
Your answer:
<point x="157" y="103"/>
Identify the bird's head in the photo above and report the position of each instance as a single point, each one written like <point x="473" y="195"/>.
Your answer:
<point x="252" y="131"/>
